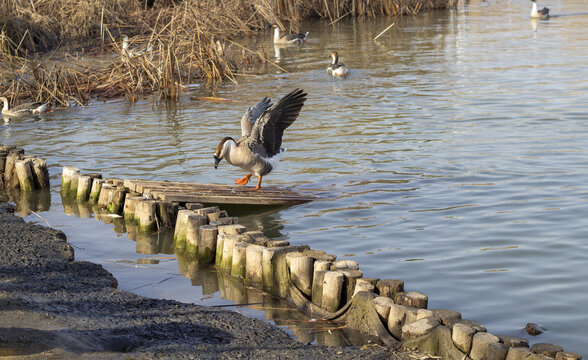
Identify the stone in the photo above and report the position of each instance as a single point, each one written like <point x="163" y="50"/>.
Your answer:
<point x="546" y="349"/>
<point x="462" y="336"/>
<point x="518" y="353"/>
<point x="480" y="345"/>
<point x="496" y="351"/>
<point x="534" y="329"/>
<point x="419" y="328"/>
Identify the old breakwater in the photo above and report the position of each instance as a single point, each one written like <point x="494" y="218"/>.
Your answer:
<point x="313" y="280"/>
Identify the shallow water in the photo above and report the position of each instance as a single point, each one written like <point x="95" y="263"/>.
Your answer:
<point x="454" y="158"/>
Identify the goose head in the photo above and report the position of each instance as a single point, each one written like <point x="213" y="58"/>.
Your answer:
<point x="222" y="148"/>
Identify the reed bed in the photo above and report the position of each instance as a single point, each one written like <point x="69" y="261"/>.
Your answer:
<point x="171" y="45"/>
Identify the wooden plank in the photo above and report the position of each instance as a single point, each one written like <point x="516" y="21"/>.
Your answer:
<point x="218" y="194"/>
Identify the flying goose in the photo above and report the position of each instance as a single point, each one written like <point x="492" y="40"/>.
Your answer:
<point x="288" y="38"/>
<point x="335" y="68"/>
<point x="25" y="108"/>
<point x="542" y="14"/>
<point x="258" y="150"/>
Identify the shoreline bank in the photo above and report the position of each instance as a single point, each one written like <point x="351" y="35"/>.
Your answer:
<point x="54" y="306"/>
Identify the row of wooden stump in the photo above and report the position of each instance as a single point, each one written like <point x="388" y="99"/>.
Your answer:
<point x="314" y="280"/>
<point x="18" y="170"/>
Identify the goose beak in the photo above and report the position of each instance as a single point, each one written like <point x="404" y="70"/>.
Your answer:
<point x="216" y="161"/>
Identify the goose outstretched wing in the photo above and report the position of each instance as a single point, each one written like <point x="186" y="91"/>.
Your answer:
<point x="266" y="135"/>
<point x="252" y="114"/>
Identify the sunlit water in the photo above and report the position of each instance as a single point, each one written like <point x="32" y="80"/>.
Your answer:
<point x="454" y="158"/>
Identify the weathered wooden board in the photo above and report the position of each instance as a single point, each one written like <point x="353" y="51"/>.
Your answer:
<point x="217" y="194"/>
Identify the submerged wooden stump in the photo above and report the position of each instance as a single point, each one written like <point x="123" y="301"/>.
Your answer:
<point x="41" y="173"/>
<point x="24" y="172"/>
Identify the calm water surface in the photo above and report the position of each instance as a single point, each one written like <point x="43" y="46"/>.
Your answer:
<point x="454" y="158"/>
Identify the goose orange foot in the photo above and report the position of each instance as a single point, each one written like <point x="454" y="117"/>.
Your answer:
<point x="243" y="180"/>
<point x="258" y="185"/>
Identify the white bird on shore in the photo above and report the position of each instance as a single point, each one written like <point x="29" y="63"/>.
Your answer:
<point x="130" y="53"/>
<point x="288" y="38"/>
<point x="541" y="14"/>
<point x="262" y="127"/>
<point x="336" y="68"/>
<point x="25" y="108"/>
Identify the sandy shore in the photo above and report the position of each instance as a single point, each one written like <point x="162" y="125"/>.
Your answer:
<point x="54" y="307"/>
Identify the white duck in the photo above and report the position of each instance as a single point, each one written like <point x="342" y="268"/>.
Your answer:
<point x="288" y="38"/>
<point x="262" y="128"/>
<point x="337" y="69"/>
<point x="539" y="14"/>
<point x="25" y="108"/>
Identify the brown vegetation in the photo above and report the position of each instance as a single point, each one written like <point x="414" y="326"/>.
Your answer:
<point x="179" y="42"/>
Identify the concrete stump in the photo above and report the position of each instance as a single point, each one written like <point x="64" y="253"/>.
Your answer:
<point x="207" y="243"/>
<point x="95" y="191"/>
<point x="239" y="265"/>
<point x="254" y="264"/>
<point x="382" y="305"/>
<point x="462" y="336"/>
<point x="546" y="349"/>
<point x="480" y="345"/>
<point x="518" y="353"/>
<point x="84" y="188"/>
<point x="193" y="224"/>
<point x="301" y="271"/>
<point x="332" y="289"/>
<point x="389" y="287"/>
<point x="412" y="298"/>
<point x="399" y="316"/>
<point x="41" y="173"/>
<point x="67" y="176"/>
<point x="317" y="287"/>
<point x="181" y="228"/>
<point x="24" y="173"/>
<point x="145" y="215"/>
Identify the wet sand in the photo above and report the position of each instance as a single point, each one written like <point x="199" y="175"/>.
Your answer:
<point x="52" y="306"/>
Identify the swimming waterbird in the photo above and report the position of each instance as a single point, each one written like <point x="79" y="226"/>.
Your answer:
<point x="288" y="38"/>
<point x="335" y="68"/>
<point x="25" y="108"/>
<point x="541" y="14"/>
<point x="262" y="127"/>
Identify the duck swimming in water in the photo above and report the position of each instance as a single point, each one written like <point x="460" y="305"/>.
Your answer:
<point x="541" y="14"/>
<point x="25" y="108"/>
<point x="296" y="39"/>
<point x="335" y="68"/>
<point x="262" y="127"/>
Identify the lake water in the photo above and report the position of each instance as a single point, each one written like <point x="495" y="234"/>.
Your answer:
<point x="454" y="158"/>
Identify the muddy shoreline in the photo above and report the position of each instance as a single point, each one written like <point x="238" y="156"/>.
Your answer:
<point x="54" y="307"/>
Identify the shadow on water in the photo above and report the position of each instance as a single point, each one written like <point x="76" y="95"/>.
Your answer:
<point x="27" y="202"/>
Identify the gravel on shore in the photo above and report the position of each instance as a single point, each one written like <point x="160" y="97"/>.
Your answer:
<point x="54" y="307"/>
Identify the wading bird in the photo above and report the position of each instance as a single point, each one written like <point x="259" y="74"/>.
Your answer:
<point x="25" y="108"/>
<point x="288" y="38"/>
<point x="335" y="68"/>
<point x="541" y="14"/>
<point x="262" y="127"/>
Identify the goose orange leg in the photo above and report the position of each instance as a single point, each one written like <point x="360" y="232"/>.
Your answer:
<point x="258" y="184"/>
<point x="243" y="180"/>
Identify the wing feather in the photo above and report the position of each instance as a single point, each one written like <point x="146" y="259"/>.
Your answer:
<point x="252" y="114"/>
<point x="269" y="129"/>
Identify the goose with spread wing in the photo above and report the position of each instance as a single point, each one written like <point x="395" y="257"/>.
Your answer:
<point x="262" y="128"/>
<point x="25" y="108"/>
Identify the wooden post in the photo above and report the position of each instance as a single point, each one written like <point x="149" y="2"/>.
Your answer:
<point x="181" y="228"/>
<point x="3" y="154"/>
<point x="239" y="264"/>
<point x="207" y="243"/>
<point x="84" y="188"/>
<point x="317" y="286"/>
<point x="254" y="265"/>
<point x="116" y="200"/>
<point x="41" y="173"/>
<point x="166" y="213"/>
<point x="24" y="174"/>
<point x="301" y="271"/>
<point x="412" y="298"/>
<point x="332" y="289"/>
<point x="104" y="192"/>
<point x="228" y="247"/>
<point x="130" y="206"/>
<point x="95" y="191"/>
<point x="145" y="215"/>
<point x="389" y="287"/>
<point x="193" y="223"/>
<point x="349" y="280"/>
